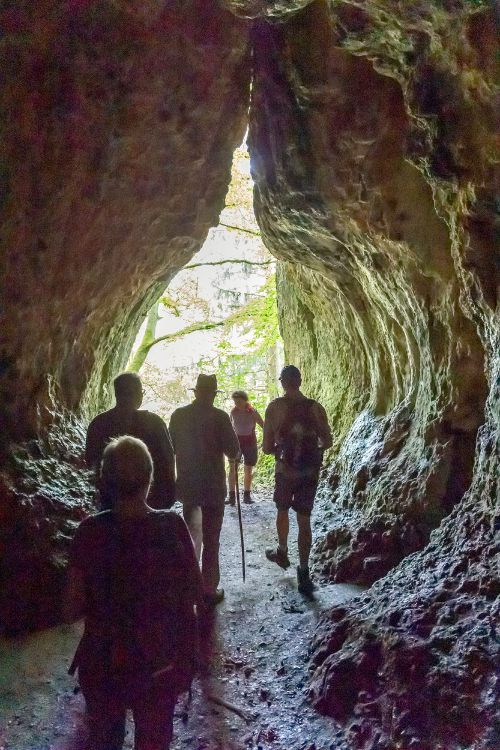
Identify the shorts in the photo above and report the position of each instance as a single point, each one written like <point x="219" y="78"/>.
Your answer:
<point x="297" y="493"/>
<point x="248" y="447"/>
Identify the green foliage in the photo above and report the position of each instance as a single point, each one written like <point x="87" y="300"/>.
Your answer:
<point x="231" y="294"/>
<point x="255" y="371"/>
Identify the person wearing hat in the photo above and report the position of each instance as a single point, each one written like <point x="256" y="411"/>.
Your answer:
<point x="202" y="435"/>
<point x="244" y="419"/>
<point x="296" y="432"/>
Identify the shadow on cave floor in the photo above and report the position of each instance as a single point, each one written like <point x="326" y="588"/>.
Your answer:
<point x="258" y="654"/>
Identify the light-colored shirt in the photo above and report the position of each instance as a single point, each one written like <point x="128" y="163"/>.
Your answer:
<point x="202" y="435"/>
<point x="244" y="420"/>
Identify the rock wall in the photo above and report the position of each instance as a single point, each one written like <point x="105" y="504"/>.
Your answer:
<point x="373" y="152"/>
<point x="373" y="160"/>
<point x="118" y="121"/>
<point x="372" y="132"/>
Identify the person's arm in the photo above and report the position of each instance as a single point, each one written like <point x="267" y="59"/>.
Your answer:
<point x="193" y="578"/>
<point x="269" y="438"/>
<point x="74" y="600"/>
<point x="92" y="456"/>
<point x="258" y="419"/>
<point x="324" y="431"/>
<point x="172" y="430"/>
<point x="230" y="442"/>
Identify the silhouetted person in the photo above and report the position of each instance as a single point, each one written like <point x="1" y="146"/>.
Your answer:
<point x="296" y="432"/>
<point x="134" y="576"/>
<point x="244" y="418"/>
<point x="127" y="419"/>
<point x="202" y="435"/>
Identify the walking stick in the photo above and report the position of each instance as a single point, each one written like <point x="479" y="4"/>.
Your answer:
<point x="240" y="520"/>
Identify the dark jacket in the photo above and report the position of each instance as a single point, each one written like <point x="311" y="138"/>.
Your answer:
<point x="149" y="428"/>
<point x="202" y="435"/>
<point x="142" y="581"/>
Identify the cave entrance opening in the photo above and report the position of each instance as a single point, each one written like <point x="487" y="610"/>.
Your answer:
<point x="218" y="315"/>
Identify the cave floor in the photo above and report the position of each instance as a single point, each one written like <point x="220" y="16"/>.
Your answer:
<point x="256" y="644"/>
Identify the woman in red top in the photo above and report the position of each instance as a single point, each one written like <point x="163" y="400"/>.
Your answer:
<point x="244" y="418"/>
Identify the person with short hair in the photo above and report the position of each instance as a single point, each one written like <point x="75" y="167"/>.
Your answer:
<point x="134" y="577"/>
<point x="126" y="418"/>
<point x="296" y="432"/>
<point x="202" y="435"/>
<point x="244" y="418"/>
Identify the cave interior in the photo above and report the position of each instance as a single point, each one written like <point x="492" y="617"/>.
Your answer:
<point x="372" y="132"/>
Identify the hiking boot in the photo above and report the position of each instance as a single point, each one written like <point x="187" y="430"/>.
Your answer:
<point x="231" y="499"/>
<point x="304" y="583"/>
<point x="214" y="598"/>
<point x="279" y="557"/>
<point x="247" y="498"/>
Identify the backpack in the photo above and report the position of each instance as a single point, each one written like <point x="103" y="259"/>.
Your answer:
<point x="298" y="447"/>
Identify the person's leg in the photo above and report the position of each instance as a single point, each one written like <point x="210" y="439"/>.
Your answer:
<point x="282" y="498"/>
<point x="305" y="539"/>
<point x="106" y="715"/>
<point x="250" y="455"/>
<point x="248" y="478"/>
<point x="282" y="528"/>
<point x="303" y="502"/>
<point x="154" y="720"/>
<point x="193" y="518"/>
<point x="212" y="517"/>
<point x="232" y="476"/>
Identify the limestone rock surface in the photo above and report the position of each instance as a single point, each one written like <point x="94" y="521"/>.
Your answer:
<point x="375" y="158"/>
<point x="373" y="133"/>
<point x="118" y="121"/>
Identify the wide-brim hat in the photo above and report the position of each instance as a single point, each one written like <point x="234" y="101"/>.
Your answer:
<point x="206" y="383"/>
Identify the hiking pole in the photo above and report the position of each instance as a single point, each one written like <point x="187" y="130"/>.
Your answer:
<point x="240" y="520"/>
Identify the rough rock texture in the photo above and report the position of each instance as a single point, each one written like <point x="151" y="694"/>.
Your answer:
<point x="118" y="123"/>
<point x="366" y="182"/>
<point x="272" y="9"/>
<point x="373" y="148"/>
<point x="373" y="151"/>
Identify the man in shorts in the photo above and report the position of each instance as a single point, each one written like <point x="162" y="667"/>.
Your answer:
<point x="296" y="432"/>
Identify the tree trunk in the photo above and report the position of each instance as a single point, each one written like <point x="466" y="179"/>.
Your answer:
<point x="142" y="351"/>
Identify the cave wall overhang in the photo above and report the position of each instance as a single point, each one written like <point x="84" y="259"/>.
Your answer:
<point x="374" y="168"/>
<point x="118" y="129"/>
<point x="119" y="122"/>
<point x="373" y="137"/>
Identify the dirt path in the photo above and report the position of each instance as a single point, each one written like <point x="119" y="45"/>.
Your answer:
<point x="256" y="644"/>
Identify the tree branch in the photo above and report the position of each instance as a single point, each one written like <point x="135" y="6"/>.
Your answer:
<point x="253" y="232"/>
<point x="232" y="260"/>
<point x="169" y="337"/>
